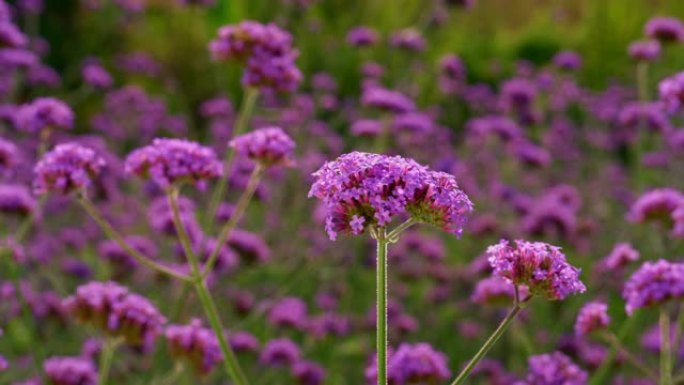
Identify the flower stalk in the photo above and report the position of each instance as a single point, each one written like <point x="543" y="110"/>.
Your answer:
<point x="381" y="304"/>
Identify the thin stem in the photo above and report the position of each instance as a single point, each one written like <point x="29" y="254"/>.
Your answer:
<point x="614" y="341"/>
<point x="665" y="348"/>
<point x="231" y="364"/>
<point x="240" y="208"/>
<point x="111" y="233"/>
<point x="381" y="305"/>
<point x="106" y="358"/>
<point x="393" y="236"/>
<point x="241" y="123"/>
<point x="488" y="344"/>
<point x="601" y="374"/>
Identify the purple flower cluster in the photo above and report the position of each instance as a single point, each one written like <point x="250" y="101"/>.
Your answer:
<point x="656" y="206"/>
<point x="11" y="36"/>
<point x="621" y="255"/>
<point x="653" y="284"/>
<point x="268" y="146"/>
<point x="361" y="189"/>
<point x="567" y="60"/>
<point x="44" y="113"/>
<point x="114" y="310"/>
<point x="554" y="369"/>
<point x="672" y="92"/>
<point x="94" y="74"/>
<point x="412" y="364"/>
<point x="289" y="312"/>
<point x="17" y="200"/>
<point x="267" y="51"/>
<point x="8" y="154"/>
<point x="496" y="291"/>
<point x="196" y="344"/>
<point x="362" y="36"/>
<point x="591" y="317"/>
<point x="173" y="161"/>
<point x="386" y="100"/>
<point x="644" y="50"/>
<point x="70" y="371"/>
<point x="665" y="29"/>
<point x="69" y="167"/>
<point x="540" y="266"/>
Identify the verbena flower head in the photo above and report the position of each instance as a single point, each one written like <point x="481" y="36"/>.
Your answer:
<point x="621" y="255"/>
<point x="362" y="189"/>
<point x="665" y="29"/>
<point x="16" y="200"/>
<point x="196" y="344"/>
<point x="644" y="50"/>
<point x="592" y="316"/>
<point x="173" y="161"/>
<point x="656" y="205"/>
<point x="567" y="60"/>
<point x="540" y="266"/>
<point x="672" y="92"/>
<point x="280" y="352"/>
<point x="11" y="36"/>
<point x="653" y="284"/>
<point x="114" y="310"/>
<point x="412" y="364"/>
<point x="44" y="113"/>
<point x="388" y="100"/>
<point x="554" y="369"/>
<point x="8" y="154"/>
<point x="496" y="291"/>
<point x="362" y="36"/>
<point x="289" y="312"/>
<point x="308" y="373"/>
<point x="67" y="168"/>
<point x="70" y="371"/>
<point x="269" y="146"/>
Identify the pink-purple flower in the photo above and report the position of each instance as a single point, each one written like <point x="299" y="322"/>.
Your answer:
<point x="69" y="167"/>
<point x="268" y="146"/>
<point x="653" y="284"/>
<point x="592" y="316"/>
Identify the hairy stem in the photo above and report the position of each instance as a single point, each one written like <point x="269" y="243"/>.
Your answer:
<point x="381" y="305"/>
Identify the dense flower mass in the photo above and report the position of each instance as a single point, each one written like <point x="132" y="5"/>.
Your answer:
<point x="593" y="316"/>
<point x="111" y="308"/>
<point x="67" y="168"/>
<point x="17" y="200"/>
<point x="540" y="266"/>
<point x="653" y="284"/>
<point x="412" y="364"/>
<point x="265" y="48"/>
<point x="173" y="161"/>
<point x="554" y="369"/>
<point x="70" y="371"/>
<point x="672" y="92"/>
<point x="665" y="29"/>
<point x="361" y="189"/>
<point x="196" y="344"/>
<point x="269" y="146"/>
<point x="44" y="113"/>
<point x="656" y="205"/>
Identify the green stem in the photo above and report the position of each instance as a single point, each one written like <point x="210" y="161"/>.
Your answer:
<point x="241" y="123"/>
<point x="488" y="344"/>
<point x="665" y="348"/>
<point x="381" y="305"/>
<point x="393" y="236"/>
<point x="111" y="233"/>
<point x="231" y="364"/>
<point x="240" y="208"/>
<point x="106" y="358"/>
<point x="634" y="361"/>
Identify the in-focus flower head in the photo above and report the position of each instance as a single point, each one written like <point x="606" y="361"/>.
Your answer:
<point x="412" y="364"/>
<point x="591" y="317"/>
<point x="665" y="29"/>
<point x="70" y="371"/>
<point x="172" y="161"/>
<point x="653" y="284"/>
<point x="67" y="168"/>
<point x="363" y="189"/>
<point x="540" y="266"/>
<point x="196" y="344"/>
<point x="554" y="369"/>
<point x="269" y="146"/>
<point x="44" y="113"/>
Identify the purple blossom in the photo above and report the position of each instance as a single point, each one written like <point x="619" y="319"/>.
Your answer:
<point x="412" y="364"/>
<point x="243" y="342"/>
<point x="378" y="188"/>
<point x="496" y="291"/>
<point x="653" y="284"/>
<point x="672" y="92"/>
<point x="8" y="154"/>
<point x="280" y="352"/>
<point x="621" y="255"/>
<point x="665" y="29"/>
<point x="644" y="50"/>
<point x="172" y="161"/>
<point x="591" y="317"/>
<point x="67" y="168"/>
<point x="269" y="146"/>
<point x="16" y="200"/>
<point x="111" y="251"/>
<point x="94" y="74"/>
<point x="289" y="312"/>
<point x="44" y="113"/>
<point x="70" y="371"/>
<point x="388" y="100"/>
<point x="554" y="369"/>
<point x="656" y="205"/>
<point x="196" y="344"/>
<point x="408" y="39"/>
<point x="362" y="36"/>
<point x="366" y="127"/>
<point x="11" y="36"/>
<point x="567" y="60"/>
<point x="308" y="373"/>
<point x="540" y="266"/>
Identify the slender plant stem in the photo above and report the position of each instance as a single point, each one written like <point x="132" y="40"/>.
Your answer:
<point x="488" y="344"/>
<point x="231" y="364"/>
<point x="111" y="233"/>
<point x="106" y="358"/>
<point x="241" y="123"/>
<point x="381" y="305"/>
<point x="601" y="374"/>
<point x="634" y="361"/>
<point x="240" y="208"/>
<point x="665" y="348"/>
<point x="393" y="235"/>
